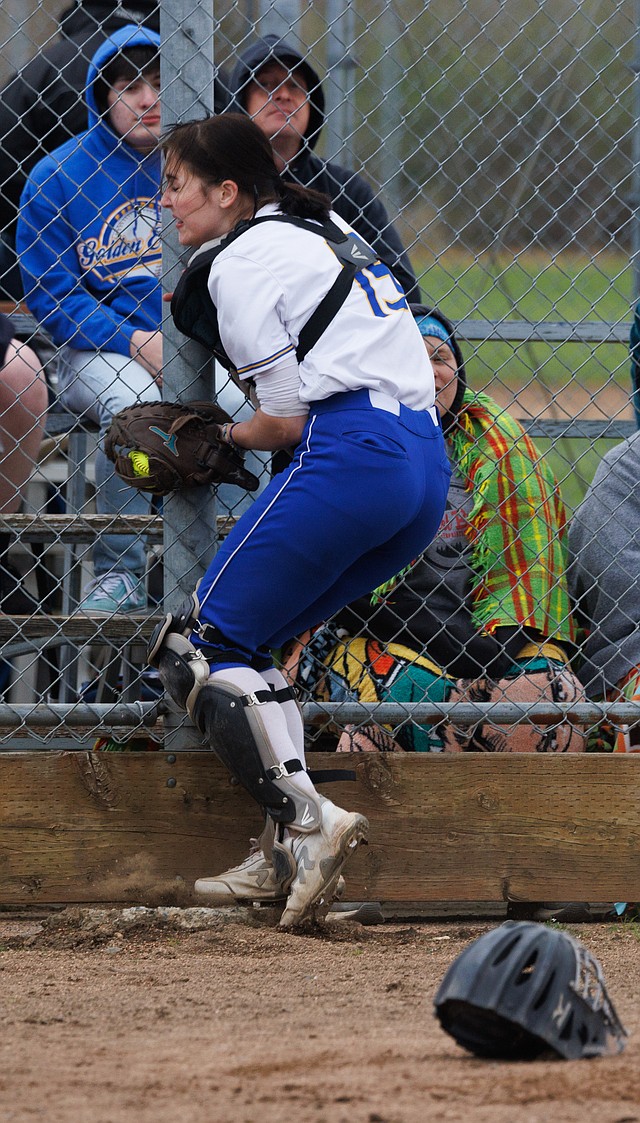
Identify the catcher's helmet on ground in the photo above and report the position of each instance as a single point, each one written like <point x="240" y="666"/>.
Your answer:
<point x="523" y="988"/>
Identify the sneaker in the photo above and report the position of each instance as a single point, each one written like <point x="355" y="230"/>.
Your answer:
<point x="318" y="858"/>
<point x="112" y="593"/>
<point x="253" y="880"/>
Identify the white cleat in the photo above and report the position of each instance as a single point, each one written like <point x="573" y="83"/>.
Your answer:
<point x="318" y="856"/>
<point x="254" y="880"/>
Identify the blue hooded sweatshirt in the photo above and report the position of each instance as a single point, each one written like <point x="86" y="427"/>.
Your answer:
<point x="88" y="235"/>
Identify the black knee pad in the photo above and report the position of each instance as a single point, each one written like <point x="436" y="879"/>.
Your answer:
<point x="183" y="670"/>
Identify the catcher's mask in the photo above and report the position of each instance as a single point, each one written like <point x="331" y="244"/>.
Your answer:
<point x="523" y="988"/>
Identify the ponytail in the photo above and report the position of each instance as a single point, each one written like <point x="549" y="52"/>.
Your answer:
<point x="304" y="202"/>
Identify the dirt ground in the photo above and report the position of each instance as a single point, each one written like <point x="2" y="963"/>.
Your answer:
<point x="207" y="1016"/>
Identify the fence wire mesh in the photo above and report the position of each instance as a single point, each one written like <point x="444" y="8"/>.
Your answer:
<point x="492" y="157"/>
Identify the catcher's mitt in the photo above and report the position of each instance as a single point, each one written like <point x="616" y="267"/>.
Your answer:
<point x="163" y="446"/>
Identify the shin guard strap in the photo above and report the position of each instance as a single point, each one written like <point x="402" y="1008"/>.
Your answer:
<point x="261" y="697"/>
<point x="331" y="775"/>
<point x="286" y="768"/>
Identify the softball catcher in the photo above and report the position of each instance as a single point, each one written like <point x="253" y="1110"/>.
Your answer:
<point x="295" y="303"/>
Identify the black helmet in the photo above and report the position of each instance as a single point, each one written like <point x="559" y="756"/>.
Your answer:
<point x="523" y="988"/>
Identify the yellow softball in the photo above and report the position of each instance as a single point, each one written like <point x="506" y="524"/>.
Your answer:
<point x="140" y="462"/>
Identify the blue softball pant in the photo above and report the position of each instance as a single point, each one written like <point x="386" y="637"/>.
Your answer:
<point x="363" y="496"/>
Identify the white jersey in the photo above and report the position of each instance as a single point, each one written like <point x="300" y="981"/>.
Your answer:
<point x="267" y="283"/>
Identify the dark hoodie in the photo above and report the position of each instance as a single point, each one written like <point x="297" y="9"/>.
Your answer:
<point x="352" y="197"/>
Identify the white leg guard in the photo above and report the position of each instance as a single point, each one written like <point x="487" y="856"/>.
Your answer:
<point x="243" y="720"/>
<point x="183" y="669"/>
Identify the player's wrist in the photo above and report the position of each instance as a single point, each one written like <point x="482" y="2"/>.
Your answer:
<point x="226" y="432"/>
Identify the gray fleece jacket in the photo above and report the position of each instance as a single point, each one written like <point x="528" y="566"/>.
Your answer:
<point x="604" y="570"/>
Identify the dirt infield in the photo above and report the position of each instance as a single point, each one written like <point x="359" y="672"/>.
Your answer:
<point x="193" y="1015"/>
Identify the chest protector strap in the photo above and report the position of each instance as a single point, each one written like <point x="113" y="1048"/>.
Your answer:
<point x="196" y="316"/>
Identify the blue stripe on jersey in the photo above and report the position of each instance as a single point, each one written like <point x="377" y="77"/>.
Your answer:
<point x="266" y="362"/>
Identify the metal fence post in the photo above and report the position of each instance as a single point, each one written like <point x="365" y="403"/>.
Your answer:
<point x="189" y="515"/>
<point x="391" y="118"/>
<point x="340" y="80"/>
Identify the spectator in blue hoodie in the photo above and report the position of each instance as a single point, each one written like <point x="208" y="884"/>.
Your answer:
<point x="41" y="105"/>
<point x="277" y="86"/>
<point x="88" y="240"/>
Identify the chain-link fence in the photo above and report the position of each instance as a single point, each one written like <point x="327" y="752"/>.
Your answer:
<point x="490" y="153"/>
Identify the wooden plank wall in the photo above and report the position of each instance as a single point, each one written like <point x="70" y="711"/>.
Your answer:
<point x="92" y="827"/>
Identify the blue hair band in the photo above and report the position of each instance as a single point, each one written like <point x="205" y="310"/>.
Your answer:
<point x="428" y="325"/>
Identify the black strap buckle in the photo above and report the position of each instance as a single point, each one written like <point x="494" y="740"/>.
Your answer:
<point x="286" y="768"/>
<point x="261" y="697"/>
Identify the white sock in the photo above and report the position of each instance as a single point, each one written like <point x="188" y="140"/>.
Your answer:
<point x="290" y="709"/>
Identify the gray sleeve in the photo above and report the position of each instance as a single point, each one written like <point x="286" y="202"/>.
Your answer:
<point x="604" y="565"/>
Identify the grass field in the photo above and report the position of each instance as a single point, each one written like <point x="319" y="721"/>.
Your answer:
<point x="551" y="380"/>
<point x="528" y="285"/>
